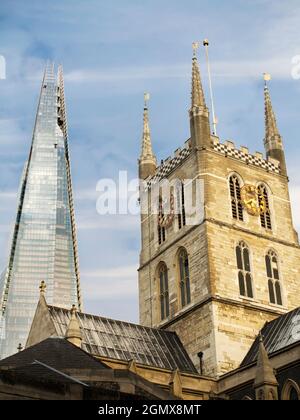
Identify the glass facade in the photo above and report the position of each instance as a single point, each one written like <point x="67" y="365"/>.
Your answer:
<point x="44" y="238"/>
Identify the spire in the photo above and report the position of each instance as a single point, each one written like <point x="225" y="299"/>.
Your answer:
<point x="272" y="140"/>
<point x="265" y="382"/>
<point x="132" y="366"/>
<point x="147" y="152"/>
<point x="42" y="288"/>
<point x="198" y="99"/>
<point x="147" y="160"/>
<point x="270" y="120"/>
<point x="199" y="114"/>
<point x="73" y="333"/>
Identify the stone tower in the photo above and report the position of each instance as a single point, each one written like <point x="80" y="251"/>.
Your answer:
<point x="218" y="281"/>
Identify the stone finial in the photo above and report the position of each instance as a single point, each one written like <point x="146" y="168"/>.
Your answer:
<point x="19" y="348"/>
<point x="175" y="384"/>
<point x="73" y="333"/>
<point x="132" y="367"/>
<point x="43" y="287"/>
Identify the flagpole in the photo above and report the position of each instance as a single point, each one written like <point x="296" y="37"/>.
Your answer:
<point x="215" y="121"/>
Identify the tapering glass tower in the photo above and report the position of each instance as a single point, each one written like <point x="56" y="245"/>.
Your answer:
<point x="44" y="237"/>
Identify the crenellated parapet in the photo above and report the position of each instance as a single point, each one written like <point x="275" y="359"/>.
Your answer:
<point x="229" y="150"/>
<point x="168" y="165"/>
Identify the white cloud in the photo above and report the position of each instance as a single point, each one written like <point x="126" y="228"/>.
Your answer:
<point x="111" y="283"/>
<point x="85" y="194"/>
<point x="10" y="132"/>
<point x="125" y="74"/>
<point x="5" y="228"/>
<point x="109" y="222"/>
<point x="224" y="71"/>
<point x="8" y="195"/>
<point x="114" y="272"/>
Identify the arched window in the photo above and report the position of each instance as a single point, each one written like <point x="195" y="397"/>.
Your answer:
<point x="261" y="395"/>
<point x="293" y="396"/>
<point x="290" y="391"/>
<point x="273" y="278"/>
<point x="164" y="291"/>
<point x="235" y="194"/>
<point x="181" y="205"/>
<point x="244" y="270"/>
<point x="160" y="227"/>
<point x="263" y="201"/>
<point x="184" y="274"/>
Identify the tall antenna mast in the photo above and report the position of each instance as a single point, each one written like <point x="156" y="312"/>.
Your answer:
<point x="215" y="120"/>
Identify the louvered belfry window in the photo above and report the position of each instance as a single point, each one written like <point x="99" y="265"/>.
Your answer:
<point x="236" y="202"/>
<point x="263" y="198"/>
<point x="164" y="291"/>
<point x="184" y="282"/>
<point x="274" y="285"/>
<point x="244" y="270"/>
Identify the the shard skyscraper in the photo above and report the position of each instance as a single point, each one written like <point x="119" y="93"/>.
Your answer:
<point x="44" y="237"/>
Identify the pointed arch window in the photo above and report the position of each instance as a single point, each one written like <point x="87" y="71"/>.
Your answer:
<point x="290" y="391"/>
<point x="274" y="285"/>
<point x="235" y="194"/>
<point x="263" y="200"/>
<point x="164" y="291"/>
<point x="161" y="229"/>
<point x="184" y="282"/>
<point x="293" y="395"/>
<point x="244" y="270"/>
<point x="181" y="205"/>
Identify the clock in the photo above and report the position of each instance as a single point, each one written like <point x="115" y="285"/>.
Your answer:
<point x="253" y="200"/>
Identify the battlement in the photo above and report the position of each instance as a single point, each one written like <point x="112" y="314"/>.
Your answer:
<point x="169" y="164"/>
<point x="229" y="149"/>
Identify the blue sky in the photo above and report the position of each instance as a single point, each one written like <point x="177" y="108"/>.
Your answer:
<point x="112" y="52"/>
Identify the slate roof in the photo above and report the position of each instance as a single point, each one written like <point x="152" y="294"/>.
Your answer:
<point x="125" y="341"/>
<point x="277" y="335"/>
<point x="35" y="372"/>
<point x="55" y="352"/>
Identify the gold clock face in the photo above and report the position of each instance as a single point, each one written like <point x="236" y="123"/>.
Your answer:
<point x="252" y="200"/>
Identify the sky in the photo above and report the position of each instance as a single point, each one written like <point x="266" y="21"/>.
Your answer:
<point x="112" y="52"/>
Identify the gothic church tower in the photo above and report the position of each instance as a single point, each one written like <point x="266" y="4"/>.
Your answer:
<point x="217" y="282"/>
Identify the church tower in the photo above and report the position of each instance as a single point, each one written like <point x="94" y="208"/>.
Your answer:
<point x="216" y="282"/>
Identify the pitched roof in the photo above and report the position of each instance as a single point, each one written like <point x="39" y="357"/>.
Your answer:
<point x="277" y="335"/>
<point x="55" y="352"/>
<point x="125" y="341"/>
<point x="37" y="373"/>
